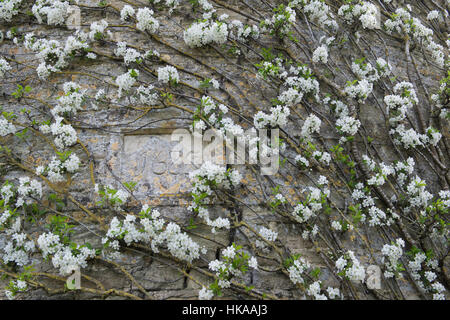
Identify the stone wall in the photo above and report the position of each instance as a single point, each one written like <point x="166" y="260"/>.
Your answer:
<point x="121" y="140"/>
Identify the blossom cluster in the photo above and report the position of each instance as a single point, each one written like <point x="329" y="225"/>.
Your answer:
<point x="316" y="200"/>
<point x="314" y="290"/>
<point x="418" y="196"/>
<point x="423" y="270"/>
<point x="7" y="193"/>
<point x="17" y="249"/>
<point x="146" y="21"/>
<point x="55" y="11"/>
<point x="348" y="125"/>
<point x="349" y="266"/>
<point x="65" y="257"/>
<point x="53" y="55"/>
<point x="126" y="81"/>
<point x="367" y="209"/>
<point x="58" y="166"/>
<point x="215" y="115"/>
<point x="108" y="194"/>
<point x="4" y="66"/>
<point x="6" y="127"/>
<point x="234" y="263"/>
<point x="129" y="55"/>
<point x="297" y="270"/>
<point x="365" y="70"/>
<point x="440" y="98"/>
<point x="278" y="117"/>
<point x="378" y="190"/>
<point x="391" y="255"/>
<point x="243" y="32"/>
<point x="205" y="32"/>
<point x="9" y="8"/>
<point x="28" y="188"/>
<point x="71" y="101"/>
<point x="320" y="54"/>
<point x="171" y="4"/>
<point x="268" y="235"/>
<point x="168" y="74"/>
<point x="97" y="30"/>
<point x="403" y="23"/>
<point x="203" y="180"/>
<point x="398" y="106"/>
<point x="365" y="12"/>
<point x="146" y="95"/>
<point x="15" y="286"/>
<point x="280" y="23"/>
<point x="359" y="89"/>
<point x="65" y="134"/>
<point x="301" y="78"/>
<point x="153" y="230"/>
<point x="318" y="11"/>
<point x="310" y="126"/>
<point x="126" y="12"/>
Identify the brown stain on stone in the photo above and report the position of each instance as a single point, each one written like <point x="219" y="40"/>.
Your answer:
<point x="115" y="146"/>
<point x="112" y="162"/>
<point x="155" y="202"/>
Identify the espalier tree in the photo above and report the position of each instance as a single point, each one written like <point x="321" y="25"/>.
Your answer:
<point x="357" y="90"/>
